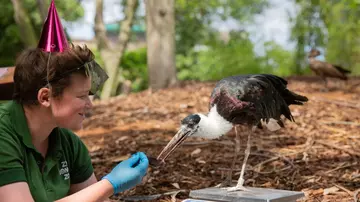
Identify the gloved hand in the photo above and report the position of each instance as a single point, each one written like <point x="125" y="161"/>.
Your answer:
<point x="128" y="173"/>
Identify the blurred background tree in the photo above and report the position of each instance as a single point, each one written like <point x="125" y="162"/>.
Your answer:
<point x="202" y="51"/>
<point x="332" y="26"/>
<point x="11" y="40"/>
<point x="112" y="53"/>
<point x="160" y="40"/>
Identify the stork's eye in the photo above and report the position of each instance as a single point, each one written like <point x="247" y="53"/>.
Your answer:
<point x="191" y="120"/>
<point x="191" y="124"/>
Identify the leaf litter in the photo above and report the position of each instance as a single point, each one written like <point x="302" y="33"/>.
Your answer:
<point x="318" y="154"/>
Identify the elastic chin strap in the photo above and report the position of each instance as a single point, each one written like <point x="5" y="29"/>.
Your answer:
<point x="48" y="71"/>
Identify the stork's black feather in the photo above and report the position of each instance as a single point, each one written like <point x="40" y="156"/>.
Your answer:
<point x="246" y="99"/>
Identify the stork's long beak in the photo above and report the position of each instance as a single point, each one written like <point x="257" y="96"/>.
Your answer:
<point x="179" y="138"/>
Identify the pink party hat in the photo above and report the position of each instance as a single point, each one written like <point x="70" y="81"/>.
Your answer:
<point x="53" y="38"/>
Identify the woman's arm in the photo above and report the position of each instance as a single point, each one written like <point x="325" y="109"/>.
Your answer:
<point x="77" y="187"/>
<point x="20" y="191"/>
<point x="99" y="191"/>
<point x="125" y="175"/>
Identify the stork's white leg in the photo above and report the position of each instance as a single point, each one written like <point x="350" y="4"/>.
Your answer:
<point x="237" y="151"/>
<point x="240" y="183"/>
<point x="228" y="180"/>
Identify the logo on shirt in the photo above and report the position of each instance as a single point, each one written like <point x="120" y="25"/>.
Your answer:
<point x="64" y="171"/>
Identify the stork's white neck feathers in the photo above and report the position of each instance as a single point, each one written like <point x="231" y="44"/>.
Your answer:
<point x="213" y="125"/>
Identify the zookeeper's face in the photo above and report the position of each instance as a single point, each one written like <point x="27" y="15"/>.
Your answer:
<point x="70" y="108"/>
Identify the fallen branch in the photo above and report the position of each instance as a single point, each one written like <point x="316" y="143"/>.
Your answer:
<point x="266" y="161"/>
<point x="97" y="161"/>
<point x="269" y="172"/>
<point x="183" y="144"/>
<point x="338" y="102"/>
<point x="152" y="197"/>
<point x="351" y="152"/>
<point x="340" y="122"/>
<point x="354" y="86"/>
<point x="356" y="192"/>
<point x="344" y="189"/>
<point x="257" y="167"/>
<point x="344" y="165"/>
<point x="276" y="158"/>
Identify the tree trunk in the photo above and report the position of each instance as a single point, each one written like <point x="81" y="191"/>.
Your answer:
<point x="42" y="9"/>
<point x="124" y="38"/>
<point x="160" y="37"/>
<point x="100" y="32"/>
<point x="112" y="55"/>
<point x="22" y="19"/>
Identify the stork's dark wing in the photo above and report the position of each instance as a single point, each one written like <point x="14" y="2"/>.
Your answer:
<point x="341" y="69"/>
<point x="249" y="98"/>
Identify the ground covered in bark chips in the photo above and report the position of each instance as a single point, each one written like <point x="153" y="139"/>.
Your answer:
<point x="319" y="154"/>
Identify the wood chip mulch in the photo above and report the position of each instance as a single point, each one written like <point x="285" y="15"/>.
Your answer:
<point x="319" y="154"/>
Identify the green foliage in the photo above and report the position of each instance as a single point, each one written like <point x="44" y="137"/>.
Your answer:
<point x="193" y="28"/>
<point x="134" y="68"/>
<point x="9" y="34"/>
<point x="222" y="59"/>
<point x="277" y="61"/>
<point x="194" y="18"/>
<point x="307" y="32"/>
<point x="2" y="102"/>
<point x="98" y="58"/>
<point x="219" y="59"/>
<point x="343" y="46"/>
<point x="10" y="43"/>
<point x="332" y="25"/>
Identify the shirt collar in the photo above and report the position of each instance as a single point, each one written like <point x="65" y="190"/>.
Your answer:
<point x="18" y="119"/>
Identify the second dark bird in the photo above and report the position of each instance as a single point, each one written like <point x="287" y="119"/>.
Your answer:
<point x="324" y="69"/>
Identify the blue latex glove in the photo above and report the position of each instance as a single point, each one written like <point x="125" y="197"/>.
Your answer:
<point x="127" y="174"/>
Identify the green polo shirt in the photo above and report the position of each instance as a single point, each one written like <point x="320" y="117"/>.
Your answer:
<point x="67" y="161"/>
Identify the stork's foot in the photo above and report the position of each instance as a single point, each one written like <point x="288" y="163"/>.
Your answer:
<point x="225" y="183"/>
<point x="237" y="188"/>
